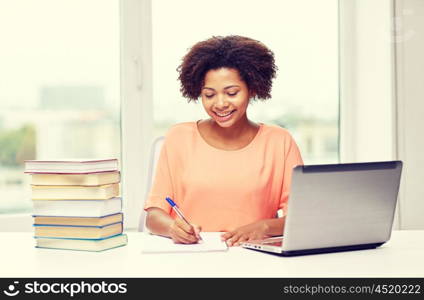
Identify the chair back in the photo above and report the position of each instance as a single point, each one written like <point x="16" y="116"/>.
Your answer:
<point x="153" y="160"/>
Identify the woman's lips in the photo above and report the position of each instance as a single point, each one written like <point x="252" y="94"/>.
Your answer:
<point x="225" y="117"/>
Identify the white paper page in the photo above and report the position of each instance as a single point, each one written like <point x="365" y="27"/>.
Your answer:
<point x="158" y="244"/>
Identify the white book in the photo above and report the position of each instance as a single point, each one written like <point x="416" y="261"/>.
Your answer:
<point x="158" y="244"/>
<point x="72" y="166"/>
<point x="77" y="208"/>
<point x="70" y="192"/>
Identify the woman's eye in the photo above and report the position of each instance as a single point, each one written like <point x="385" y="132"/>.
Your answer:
<point x="209" y="96"/>
<point x="229" y="94"/>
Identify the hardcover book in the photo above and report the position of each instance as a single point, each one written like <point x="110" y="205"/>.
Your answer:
<point x="85" y="179"/>
<point x="72" y="192"/>
<point x="83" y="245"/>
<point x="79" y="221"/>
<point x="71" y="166"/>
<point x="78" y="232"/>
<point x="77" y="208"/>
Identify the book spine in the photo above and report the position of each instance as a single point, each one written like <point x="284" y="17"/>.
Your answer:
<point x="77" y="238"/>
<point x="81" y="226"/>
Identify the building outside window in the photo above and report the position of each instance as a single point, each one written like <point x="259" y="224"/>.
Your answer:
<point x="59" y="87"/>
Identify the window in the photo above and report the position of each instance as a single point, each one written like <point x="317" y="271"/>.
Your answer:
<point x="303" y="35"/>
<point x="59" y="87"/>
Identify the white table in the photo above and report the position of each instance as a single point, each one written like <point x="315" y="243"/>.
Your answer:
<point x="402" y="256"/>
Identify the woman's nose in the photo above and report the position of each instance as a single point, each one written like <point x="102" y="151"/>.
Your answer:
<point x="221" y="102"/>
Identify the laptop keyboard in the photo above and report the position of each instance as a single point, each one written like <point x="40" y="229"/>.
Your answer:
<point x="278" y="242"/>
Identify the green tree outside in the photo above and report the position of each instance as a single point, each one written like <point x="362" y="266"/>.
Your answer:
<point x="17" y="145"/>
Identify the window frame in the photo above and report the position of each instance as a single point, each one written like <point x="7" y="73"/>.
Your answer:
<point x="137" y="104"/>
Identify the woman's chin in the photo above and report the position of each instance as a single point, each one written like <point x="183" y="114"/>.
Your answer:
<point x="225" y="124"/>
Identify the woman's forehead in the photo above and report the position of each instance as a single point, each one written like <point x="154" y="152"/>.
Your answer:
<point x="223" y="78"/>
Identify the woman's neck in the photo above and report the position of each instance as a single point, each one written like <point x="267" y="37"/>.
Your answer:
<point x="239" y="129"/>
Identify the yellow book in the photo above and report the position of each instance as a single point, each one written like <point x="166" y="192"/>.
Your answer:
<point x="79" y="221"/>
<point x="69" y="192"/>
<point x="89" y="179"/>
<point x="78" y="232"/>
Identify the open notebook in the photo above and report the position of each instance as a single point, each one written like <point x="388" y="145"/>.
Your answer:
<point x="158" y="244"/>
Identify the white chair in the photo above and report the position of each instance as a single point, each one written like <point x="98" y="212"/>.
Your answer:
<point x="154" y="157"/>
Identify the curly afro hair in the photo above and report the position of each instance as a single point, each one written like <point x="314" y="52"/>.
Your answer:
<point x="253" y="60"/>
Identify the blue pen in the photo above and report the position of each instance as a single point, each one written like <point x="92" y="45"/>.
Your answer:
<point x="178" y="212"/>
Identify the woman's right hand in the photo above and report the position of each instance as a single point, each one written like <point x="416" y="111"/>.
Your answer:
<point x="182" y="233"/>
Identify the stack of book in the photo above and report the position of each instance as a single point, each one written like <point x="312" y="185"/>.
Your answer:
<point x="76" y="204"/>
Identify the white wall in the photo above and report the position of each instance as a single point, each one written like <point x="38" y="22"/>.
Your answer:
<point x="409" y="45"/>
<point x="367" y="77"/>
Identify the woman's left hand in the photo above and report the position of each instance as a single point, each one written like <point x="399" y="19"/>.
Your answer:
<point x="254" y="231"/>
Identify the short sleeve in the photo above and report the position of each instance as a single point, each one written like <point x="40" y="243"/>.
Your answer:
<point x="292" y="159"/>
<point x="162" y="184"/>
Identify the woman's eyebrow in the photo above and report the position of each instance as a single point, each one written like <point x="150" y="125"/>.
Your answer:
<point x="227" y="87"/>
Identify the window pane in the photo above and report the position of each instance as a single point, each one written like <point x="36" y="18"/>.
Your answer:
<point x="303" y="34"/>
<point x="59" y="87"/>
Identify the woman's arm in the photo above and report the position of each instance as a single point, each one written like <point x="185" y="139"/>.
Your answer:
<point x="160" y="223"/>
<point x="255" y="231"/>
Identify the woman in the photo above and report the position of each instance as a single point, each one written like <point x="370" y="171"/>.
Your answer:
<point x="226" y="173"/>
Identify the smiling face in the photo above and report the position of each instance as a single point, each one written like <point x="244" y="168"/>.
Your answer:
<point x="225" y="96"/>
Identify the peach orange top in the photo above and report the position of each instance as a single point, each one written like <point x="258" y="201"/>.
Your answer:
<point x="221" y="190"/>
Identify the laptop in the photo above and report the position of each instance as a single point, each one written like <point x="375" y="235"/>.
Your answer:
<point x="337" y="207"/>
